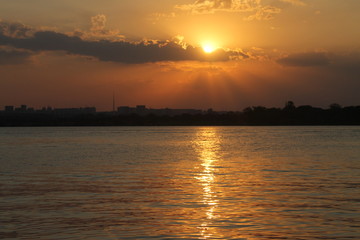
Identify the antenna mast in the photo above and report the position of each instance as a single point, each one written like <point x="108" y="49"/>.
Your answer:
<point x="113" y="101"/>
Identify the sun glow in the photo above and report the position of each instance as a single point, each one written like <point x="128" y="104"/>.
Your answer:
<point x="208" y="47"/>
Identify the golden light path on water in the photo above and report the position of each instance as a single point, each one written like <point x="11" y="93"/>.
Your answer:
<point x="208" y="146"/>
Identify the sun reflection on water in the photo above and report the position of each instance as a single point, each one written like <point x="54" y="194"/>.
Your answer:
<point x="207" y="144"/>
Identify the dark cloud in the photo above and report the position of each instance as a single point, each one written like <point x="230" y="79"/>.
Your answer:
<point x="17" y="30"/>
<point x="312" y="59"/>
<point x="340" y="64"/>
<point x="116" y="51"/>
<point x="346" y="64"/>
<point x="10" y="57"/>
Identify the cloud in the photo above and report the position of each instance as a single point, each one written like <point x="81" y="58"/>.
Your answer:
<point x="346" y="64"/>
<point x="98" y="30"/>
<point x="264" y="13"/>
<point x="295" y="2"/>
<point x="158" y="16"/>
<point x="13" y="56"/>
<point x="16" y="30"/>
<point x="98" y="22"/>
<point x="342" y="65"/>
<point x="116" y="51"/>
<point x="255" y="8"/>
<point x="311" y="59"/>
<point x="211" y="6"/>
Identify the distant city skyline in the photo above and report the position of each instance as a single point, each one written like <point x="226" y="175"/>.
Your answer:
<point x="124" y="110"/>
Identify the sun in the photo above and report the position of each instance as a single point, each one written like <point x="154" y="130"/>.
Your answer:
<point x="208" y="47"/>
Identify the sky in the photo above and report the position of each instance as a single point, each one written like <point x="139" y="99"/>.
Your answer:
<point x="220" y="54"/>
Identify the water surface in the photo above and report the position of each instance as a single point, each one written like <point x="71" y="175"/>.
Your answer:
<point x="180" y="183"/>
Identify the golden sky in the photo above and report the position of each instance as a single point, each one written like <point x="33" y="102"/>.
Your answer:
<point x="221" y="54"/>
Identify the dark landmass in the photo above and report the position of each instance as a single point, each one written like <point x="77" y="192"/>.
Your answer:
<point x="251" y="116"/>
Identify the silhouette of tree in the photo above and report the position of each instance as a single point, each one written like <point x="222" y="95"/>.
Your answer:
<point x="335" y="106"/>
<point x="289" y="105"/>
<point x="247" y="110"/>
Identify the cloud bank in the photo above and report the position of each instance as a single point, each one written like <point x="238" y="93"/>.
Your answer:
<point x="105" y="50"/>
<point x="13" y="56"/>
<point x="343" y="65"/>
<point x="311" y="59"/>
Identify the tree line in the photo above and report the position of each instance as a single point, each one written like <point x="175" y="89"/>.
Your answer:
<point x="250" y="116"/>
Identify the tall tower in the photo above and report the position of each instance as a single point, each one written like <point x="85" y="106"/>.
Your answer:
<point x="113" y="102"/>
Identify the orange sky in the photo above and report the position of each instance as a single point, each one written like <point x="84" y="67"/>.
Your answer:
<point x="70" y="54"/>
